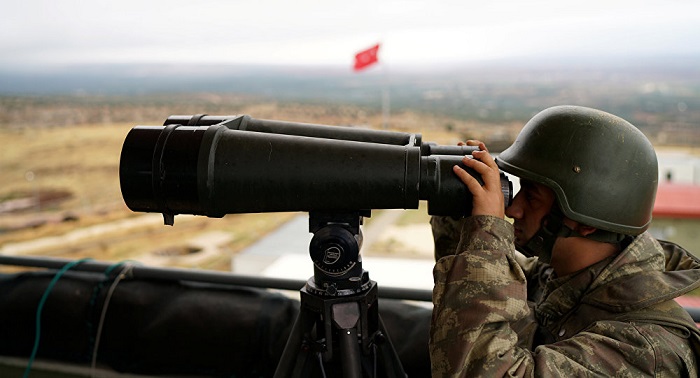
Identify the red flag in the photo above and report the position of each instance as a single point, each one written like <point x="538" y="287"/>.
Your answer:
<point x="366" y="58"/>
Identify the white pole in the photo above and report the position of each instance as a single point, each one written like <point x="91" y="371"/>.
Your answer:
<point x="386" y="100"/>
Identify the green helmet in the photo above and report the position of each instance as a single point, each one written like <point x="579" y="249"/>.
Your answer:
<point x="602" y="169"/>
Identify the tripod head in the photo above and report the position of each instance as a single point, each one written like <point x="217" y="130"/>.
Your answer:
<point x="335" y="252"/>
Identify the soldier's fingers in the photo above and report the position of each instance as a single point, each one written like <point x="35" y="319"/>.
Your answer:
<point x="474" y="142"/>
<point x="486" y="158"/>
<point x="471" y="183"/>
<point x="484" y="164"/>
<point x="480" y="167"/>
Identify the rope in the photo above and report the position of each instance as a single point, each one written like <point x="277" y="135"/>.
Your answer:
<point x="37" y="335"/>
<point x="125" y="270"/>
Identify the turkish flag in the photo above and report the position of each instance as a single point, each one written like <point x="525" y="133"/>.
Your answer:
<point x="366" y="58"/>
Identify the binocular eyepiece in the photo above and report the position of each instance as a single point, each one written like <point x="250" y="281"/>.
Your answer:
<point x="218" y="165"/>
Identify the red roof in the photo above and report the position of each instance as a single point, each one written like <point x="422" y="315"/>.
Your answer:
<point x="677" y="201"/>
<point x="689" y="301"/>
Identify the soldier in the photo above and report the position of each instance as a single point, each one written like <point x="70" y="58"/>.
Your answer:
<point x="592" y="292"/>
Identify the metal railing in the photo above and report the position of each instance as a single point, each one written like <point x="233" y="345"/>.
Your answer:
<point x="145" y="272"/>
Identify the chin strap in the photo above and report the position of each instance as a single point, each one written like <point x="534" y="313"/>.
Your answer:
<point x="541" y="244"/>
<point x="553" y="226"/>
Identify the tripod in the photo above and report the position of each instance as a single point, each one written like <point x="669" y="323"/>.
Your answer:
<point x="338" y="331"/>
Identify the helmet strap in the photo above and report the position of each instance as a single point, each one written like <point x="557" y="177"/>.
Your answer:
<point x="552" y="227"/>
<point x="542" y="242"/>
<point x="610" y="237"/>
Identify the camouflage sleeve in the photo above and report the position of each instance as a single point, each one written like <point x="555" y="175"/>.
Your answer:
<point x="446" y="232"/>
<point x="446" y="236"/>
<point x="477" y="294"/>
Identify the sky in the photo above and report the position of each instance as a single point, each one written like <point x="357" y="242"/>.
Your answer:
<point x="54" y="33"/>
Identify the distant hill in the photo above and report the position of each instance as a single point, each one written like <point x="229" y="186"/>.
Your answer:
<point x="661" y="95"/>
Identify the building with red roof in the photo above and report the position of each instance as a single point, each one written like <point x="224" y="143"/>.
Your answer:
<point x="676" y="215"/>
<point x="677" y="201"/>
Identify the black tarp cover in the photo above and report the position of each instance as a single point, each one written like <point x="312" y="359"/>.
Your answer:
<point x="172" y="327"/>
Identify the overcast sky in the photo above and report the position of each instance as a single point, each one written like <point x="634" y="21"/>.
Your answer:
<point x="60" y="32"/>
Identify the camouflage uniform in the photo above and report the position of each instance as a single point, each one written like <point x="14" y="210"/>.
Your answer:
<point x="497" y="313"/>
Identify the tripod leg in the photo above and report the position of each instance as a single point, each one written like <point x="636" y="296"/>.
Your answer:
<point x="388" y="356"/>
<point x="290" y="355"/>
<point x="346" y="316"/>
<point x="350" y="352"/>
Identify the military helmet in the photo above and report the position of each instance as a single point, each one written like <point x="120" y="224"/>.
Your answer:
<point x="602" y="169"/>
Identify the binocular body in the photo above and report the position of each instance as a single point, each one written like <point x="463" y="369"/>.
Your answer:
<point x="218" y="165"/>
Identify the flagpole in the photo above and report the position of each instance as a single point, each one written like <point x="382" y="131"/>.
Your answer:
<point x="366" y="58"/>
<point x="386" y="97"/>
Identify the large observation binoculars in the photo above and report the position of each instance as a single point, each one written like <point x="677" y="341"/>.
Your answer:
<point x="218" y="165"/>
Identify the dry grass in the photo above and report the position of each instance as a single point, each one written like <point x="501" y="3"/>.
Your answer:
<point x="82" y="160"/>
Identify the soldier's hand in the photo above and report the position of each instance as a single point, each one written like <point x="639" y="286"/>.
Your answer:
<point x="487" y="199"/>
